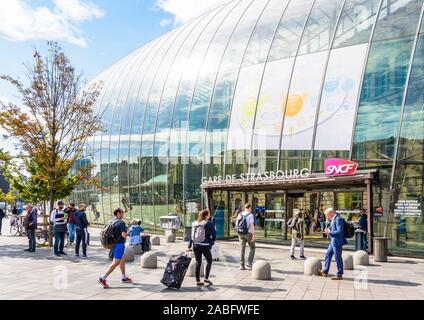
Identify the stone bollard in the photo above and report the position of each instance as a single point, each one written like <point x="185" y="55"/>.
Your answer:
<point x="347" y="261"/>
<point x="191" y="271"/>
<point x="261" y="270"/>
<point x="361" y="258"/>
<point x="170" y="238"/>
<point x="155" y="241"/>
<point x="312" y="266"/>
<point x="129" y="254"/>
<point x="137" y="249"/>
<point x="149" y="260"/>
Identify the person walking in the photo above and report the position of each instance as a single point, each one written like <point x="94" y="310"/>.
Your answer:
<point x="81" y="229"/>
<point x="2" y="216"/>
<point x="246" y="231"/>
<point x="307" y="222"/>
<point x="120" y="234"/>
<point x="337" y="241"/>
<point x="203" y="236"/>
<point x="70" y="211"/>
<point x="363" y="225"/>
<point x="321" y="219"/>
<point x="30" y="224"/>
<point x="297" y="228"/>
<point x="59" y="221"/>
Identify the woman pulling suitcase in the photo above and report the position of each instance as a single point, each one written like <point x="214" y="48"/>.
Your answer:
<point x="203" y="236"/>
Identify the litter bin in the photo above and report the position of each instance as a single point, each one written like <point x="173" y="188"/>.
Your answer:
<point x="359" y="239"/>
<point x="380" y="249"/>
<point x="187" y="233"/>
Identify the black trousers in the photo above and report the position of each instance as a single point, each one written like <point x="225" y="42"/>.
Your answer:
<point x="200" y="250"/>
<point x="31" y="238"/>
<point x="1" y="222"/>
<point x="59" y="242"/>
<point x="81" y="237"/>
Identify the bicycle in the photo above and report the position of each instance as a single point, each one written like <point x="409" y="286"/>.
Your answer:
<point x="17" y="227"/>
<point x="42" y="237"/>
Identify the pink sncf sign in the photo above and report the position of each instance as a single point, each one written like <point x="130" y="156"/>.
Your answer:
<point x="340" y="167"/>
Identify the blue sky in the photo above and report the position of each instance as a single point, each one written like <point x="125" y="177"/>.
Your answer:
<point x="93" y="33"/>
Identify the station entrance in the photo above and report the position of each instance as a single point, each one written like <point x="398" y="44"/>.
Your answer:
<point x="275" y="202"/>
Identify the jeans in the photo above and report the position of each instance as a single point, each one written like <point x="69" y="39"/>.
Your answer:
<point x="59" y="242"/>
<point x="322" y="224"/>
<point x="337" y="252"/>
<point x="198" y="251"/>
<point x="81" y="237"/>
<point x="247" y="238"/>
<point x="294" y="243"/>
<point x="71" y="229"/>
<point x="31" y="237"/>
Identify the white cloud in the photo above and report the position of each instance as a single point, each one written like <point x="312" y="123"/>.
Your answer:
<point x="165" y="22"/>
<point x="19" y="21"/>
<point x="184" y="10"/>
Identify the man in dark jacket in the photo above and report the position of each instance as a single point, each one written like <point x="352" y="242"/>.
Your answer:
<point x="30" y="224"/>
<point x="363" y="225"/>
<point x="81" y="225"/>
<point x="2" y="215"/>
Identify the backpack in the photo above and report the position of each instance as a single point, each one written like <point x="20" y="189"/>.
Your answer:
<point x="199" y="232"/>
<point x="242" y="227"/>
<point x="107" y="235"/>
<point x="289" y="223"/>
<point x="349" y="229"/>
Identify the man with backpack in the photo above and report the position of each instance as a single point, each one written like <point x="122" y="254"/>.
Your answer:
<point x="117" y="229"/>
<point x="296" y="226"/>
<point x="245" y="229"/>
<point x="337" y="235"/>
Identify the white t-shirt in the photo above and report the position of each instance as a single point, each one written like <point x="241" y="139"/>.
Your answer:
<point x="249" y="220"/>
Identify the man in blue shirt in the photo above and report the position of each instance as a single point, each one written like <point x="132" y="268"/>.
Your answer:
<point x="363" y="225"/>
<point x="120" y="233"/>
<point x="337" y="241"/>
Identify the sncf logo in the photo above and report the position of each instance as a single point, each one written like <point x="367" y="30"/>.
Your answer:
<point x="339" y="167"/>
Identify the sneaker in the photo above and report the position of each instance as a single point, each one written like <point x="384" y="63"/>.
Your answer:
<point x="337" y="278"/>
<point x="103" y="283"/>
<point x="76" y="255"/>
<point x="57" y="254"/>
<point x="292" y="257"/>
<point x="303" y="257"/>
<point x="126" y="280"/>
<point x="63" y="253"/>
<point x="242" y="268"/>
<point x="84" y="256"/>
<point x="323" y="274"/>
<point x="199" y="283"/>
<point x="208" y="282"/>
<point x="27" y="250"/>
<point x="248" y="266"/>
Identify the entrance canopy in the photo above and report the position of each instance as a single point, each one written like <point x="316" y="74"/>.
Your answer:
<point x="313" y="181"/>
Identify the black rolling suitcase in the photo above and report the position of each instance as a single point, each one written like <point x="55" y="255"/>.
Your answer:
<point x="175" y="271"/>
<point x="145" y="243"/>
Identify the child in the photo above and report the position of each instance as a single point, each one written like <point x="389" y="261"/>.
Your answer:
<point x="135" y="232"/>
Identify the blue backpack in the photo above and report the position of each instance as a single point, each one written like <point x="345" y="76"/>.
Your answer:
<point x="242" y="227"/>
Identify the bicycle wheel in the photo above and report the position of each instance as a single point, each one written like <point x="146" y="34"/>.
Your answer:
<point x="14" y="230"/>
<point x="41" y="238"/>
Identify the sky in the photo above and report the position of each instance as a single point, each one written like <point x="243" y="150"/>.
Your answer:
<point x="93" y="33"/>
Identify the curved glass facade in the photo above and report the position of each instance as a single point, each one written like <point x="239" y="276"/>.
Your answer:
<point x="257" y="85"/>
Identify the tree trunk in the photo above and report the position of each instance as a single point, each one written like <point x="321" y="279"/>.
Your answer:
<point x="50" y="233"/>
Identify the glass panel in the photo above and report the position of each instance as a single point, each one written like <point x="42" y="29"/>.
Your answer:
<point x="408" y="227"/>
<point x="381" y="95"/>
<point x="339" y="100"/>
<point x="234" y="53"/>
<point x="320" y="27"/>
<point x="289" y="31"/>
<point x="303" y="101"/>
<point x="260" y="42"/>
<point x="397" y="19"/>
<point x="356" y="22"/>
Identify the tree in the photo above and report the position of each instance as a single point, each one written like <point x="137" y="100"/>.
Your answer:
<point x="52" y="126"/>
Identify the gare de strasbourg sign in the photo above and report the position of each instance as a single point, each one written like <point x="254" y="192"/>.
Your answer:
<point x="332" y="168"/>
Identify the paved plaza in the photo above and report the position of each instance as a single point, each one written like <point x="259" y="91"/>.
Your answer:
<point x="41" y="275"/>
